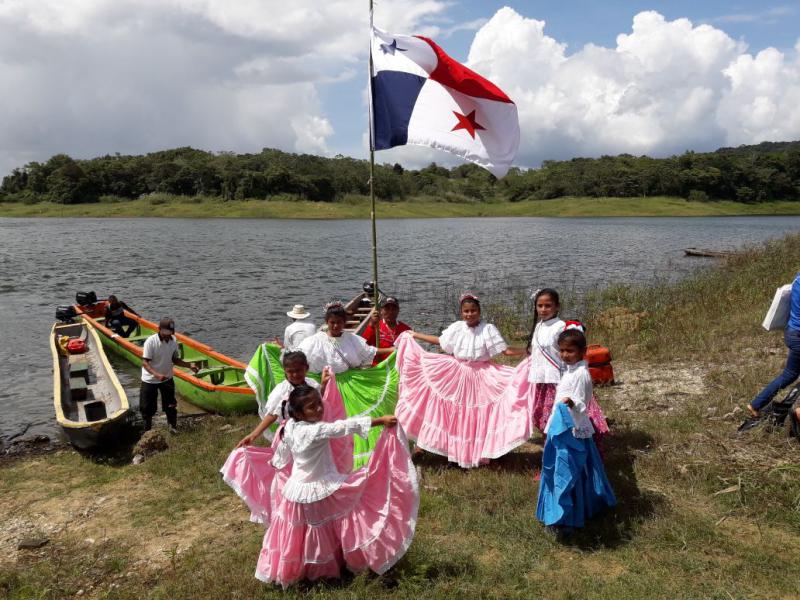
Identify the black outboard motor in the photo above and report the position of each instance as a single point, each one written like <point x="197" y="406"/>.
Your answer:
<point x="369" y="288"/>
<point x="85" y="298"/>
<point x="66" y="314"/>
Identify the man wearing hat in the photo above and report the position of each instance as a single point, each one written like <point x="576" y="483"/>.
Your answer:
<point x="388" y="325"/>
<point x="299" y="329"/>
<point x="159" y="353"/>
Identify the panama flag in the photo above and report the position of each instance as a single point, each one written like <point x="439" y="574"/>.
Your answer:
<point x="422" y="96"/>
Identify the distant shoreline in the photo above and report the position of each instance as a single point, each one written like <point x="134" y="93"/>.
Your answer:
<point x="205" y="207"/>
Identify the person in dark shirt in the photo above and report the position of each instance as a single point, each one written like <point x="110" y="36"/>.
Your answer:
<point x="116" y="320"/>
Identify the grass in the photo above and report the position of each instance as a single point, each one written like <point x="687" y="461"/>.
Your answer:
<point x="701" y="514"/>
<point x="357" y="207"/>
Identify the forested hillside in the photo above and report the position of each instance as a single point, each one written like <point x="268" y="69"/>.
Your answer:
<point x="768" y="171"/>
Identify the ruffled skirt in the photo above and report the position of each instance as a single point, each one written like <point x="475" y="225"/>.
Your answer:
<point x="368" y="523"/>
<point x="573" y="485"/>
<point x="543" y="395"/>
<point x="466" y="411"/>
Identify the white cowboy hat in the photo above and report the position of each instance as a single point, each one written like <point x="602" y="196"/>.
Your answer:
<point x="298" y="312"/>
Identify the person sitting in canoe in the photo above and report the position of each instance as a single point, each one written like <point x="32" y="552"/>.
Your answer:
<point x="387" y="323"/>
<point x="295" y="367"/>
<point x="336" y="348"/>
<point x="116" y="320"/>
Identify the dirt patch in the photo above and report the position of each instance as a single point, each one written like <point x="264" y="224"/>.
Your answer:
<point x="101" y="513"/>
<point x="667" y="388"/>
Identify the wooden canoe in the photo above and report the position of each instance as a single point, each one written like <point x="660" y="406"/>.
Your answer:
<point x="90" y="404"/>
<point x="359" y="310"/>
<point x="707" y="253"/>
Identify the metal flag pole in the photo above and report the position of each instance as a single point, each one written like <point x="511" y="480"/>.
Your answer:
<point x="372" y="186"/>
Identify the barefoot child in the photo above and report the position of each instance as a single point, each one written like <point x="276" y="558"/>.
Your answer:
<point x="295" y="367"/>
<point x="318" y="518"/>
<point x="456" y="404"/>
<point x="573" y="485"/>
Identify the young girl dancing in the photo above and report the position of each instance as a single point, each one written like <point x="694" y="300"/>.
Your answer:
<point x="546" y="365"/>
<point x="337" y="348"/>
<point x="295" y="368"/>
<point x="456" y="404"/>
<point x="573" y="485"/>
<point x="318" y="518"/>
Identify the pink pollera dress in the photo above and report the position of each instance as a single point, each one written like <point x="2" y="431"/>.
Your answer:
<point x="320" y="519"/>
<point x="460" y="404"/>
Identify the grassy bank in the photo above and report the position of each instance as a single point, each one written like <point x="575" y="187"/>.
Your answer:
<point x="701" y="514"/>
<point x="357" y="207"/>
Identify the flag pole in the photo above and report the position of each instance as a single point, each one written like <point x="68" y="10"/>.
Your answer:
<point x="372" y="186"/>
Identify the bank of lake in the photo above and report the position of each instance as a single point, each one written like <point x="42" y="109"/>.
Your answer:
<point x="358" y="207"/>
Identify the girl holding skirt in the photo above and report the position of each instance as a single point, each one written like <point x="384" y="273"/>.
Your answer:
<point x="319" y="518"/>
<point x="458" y="404"/>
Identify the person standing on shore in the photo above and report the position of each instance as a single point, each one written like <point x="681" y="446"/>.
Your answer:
<point x="387" y="323"/>
<point x="299" y="329"/>
<point x="159" y="354"/>
<point x="791" y="337"/>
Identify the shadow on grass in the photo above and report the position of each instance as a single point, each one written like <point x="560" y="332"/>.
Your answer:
<point x="617" y="526"/>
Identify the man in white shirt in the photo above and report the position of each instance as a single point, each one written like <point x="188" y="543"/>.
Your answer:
<point x="159" y="353"/>
<point x="299" y="329"/>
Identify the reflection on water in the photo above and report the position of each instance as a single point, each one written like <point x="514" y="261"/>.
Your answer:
<point x="230" y="282"/>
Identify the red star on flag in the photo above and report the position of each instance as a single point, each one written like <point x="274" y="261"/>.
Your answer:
<point x="467" y="122"/>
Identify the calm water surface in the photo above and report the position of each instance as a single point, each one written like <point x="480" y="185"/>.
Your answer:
<point x="229" y="282"/>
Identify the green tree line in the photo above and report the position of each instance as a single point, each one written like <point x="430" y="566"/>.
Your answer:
<point x="768" y="171"/>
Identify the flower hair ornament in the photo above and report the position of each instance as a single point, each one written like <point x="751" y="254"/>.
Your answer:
<point x="467" y="296"/>
<point x="535" y="293"/>
<point x="575" y="324"/>
<point x="333" y="304"/>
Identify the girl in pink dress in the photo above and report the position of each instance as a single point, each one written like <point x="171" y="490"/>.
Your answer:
<point x="545" y="365"/>
<point x="318" y="518"/>
<point x="458" y="404"/>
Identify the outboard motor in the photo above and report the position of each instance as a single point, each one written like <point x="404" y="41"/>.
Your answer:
<point x="66" y="314"/>
<point x="85" y="298"/>
<point x="369" y="288"/>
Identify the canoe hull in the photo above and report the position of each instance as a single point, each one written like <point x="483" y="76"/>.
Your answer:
<point x="98" y="436"/>
<point x="97" y="416"/>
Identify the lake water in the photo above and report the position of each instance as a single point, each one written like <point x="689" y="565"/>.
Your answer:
<point x="229" y="282"/>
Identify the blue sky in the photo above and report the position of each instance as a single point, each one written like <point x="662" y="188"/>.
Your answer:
<point x="89" y="77"/>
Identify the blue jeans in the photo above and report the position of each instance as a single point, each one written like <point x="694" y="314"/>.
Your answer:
<point x="790" y="372"/>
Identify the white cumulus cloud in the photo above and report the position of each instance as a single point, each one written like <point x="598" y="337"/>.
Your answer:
<point x="666" y="87"/>
<point x="88" y="77"/>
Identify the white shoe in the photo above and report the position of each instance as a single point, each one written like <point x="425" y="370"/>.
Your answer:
<point x="173" y="430"/>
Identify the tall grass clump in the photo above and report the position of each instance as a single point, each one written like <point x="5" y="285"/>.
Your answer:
<point x="713" y="313"/>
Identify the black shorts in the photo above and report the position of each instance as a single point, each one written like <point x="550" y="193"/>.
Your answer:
<point x="148" y="397"/>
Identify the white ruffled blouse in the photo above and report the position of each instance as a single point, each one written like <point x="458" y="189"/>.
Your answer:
<point x="576" y="384"/>
<point x="279" y="394"/>
<point x="479" y="343"/>
<point x="314" y="475"/>
<point x="342" y="353"/>
<point x="546" y="365"/>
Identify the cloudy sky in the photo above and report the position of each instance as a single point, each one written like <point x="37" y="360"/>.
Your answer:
<point x="89" y="77"/>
